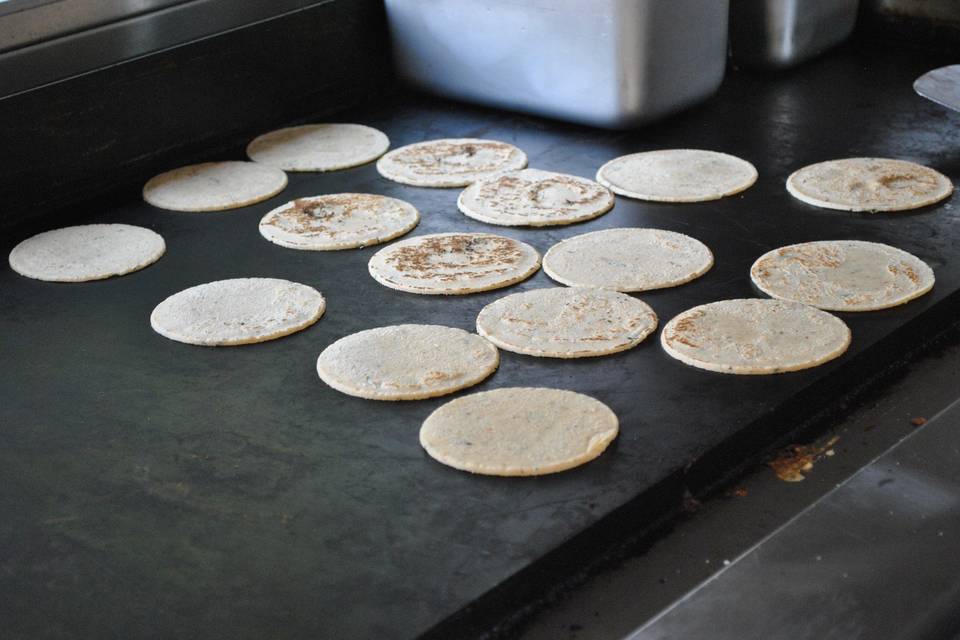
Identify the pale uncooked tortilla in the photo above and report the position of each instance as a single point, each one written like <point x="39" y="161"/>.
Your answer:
<point x="677" y="175"/>
<point x="535" y="198"/>
<point x="519" y="431"/>
<point x="338" y="221"/>
<point x="407" y="362"/>
<point x="842" y="275"/>
<point x="868" y="184"/>
<point x="753" y="336"/>
<point x="319" y="147"/>
<point x="450" y="162"/>
<point x="453" y="263"/>
<point x="214" y="186"/>
<point x="566" y="322"/>
<point x="628" y="259"/>
<point x="86" y="252"/>
<point x="238" y="311"/>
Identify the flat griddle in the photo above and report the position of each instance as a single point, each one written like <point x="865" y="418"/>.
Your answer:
<point x="153" y="489"/>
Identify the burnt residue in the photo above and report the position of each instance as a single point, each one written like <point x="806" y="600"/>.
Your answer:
<point x="314" y="214"/>
<point x="791" y="463"/>
<point x="684" y="328"/>
<point x="456" y="256"/>
<point x="302" y="214"/>
<point x="437" y="156"/>
<point x="516" y="192"/>
<point x="813" y="257"/>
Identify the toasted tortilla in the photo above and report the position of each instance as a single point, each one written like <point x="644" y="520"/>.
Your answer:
<point x="319" y="147"/>
<point x="566" y="322"/>
<point x="450" y="162"/>
<point x="214" y="186"/>
<point x="407" y="362"/>
<point x="338" y="221"/>
<point x="86" y="252"/>
<point x="453" y="263"/>
<point x="754" y="336"/>
<point x="534" y="198"/>
<point x="519" y="431"/>
<point x="869" y="184"/>
<point x="237" y="311"/>
<point x="628" y="259"/>
<point x="842" y="275"/>
<point x="677" y="175"/>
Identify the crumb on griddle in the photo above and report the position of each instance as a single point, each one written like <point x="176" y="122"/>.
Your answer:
<point x="739" y="491"/>
<point x="790" y="463"/>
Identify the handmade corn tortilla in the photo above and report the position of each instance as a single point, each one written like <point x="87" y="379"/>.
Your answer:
<point x="214" y="186"/>
<point x="868" y="184"/>
<point x="753" y="336"/>
<point x="319" y="147"/>
<point x="86" y="252"/>
<point x="566" y="322"/>
<point x="453" y="263"/>
<point x="534" y="198"/>
<point x="338" y="221"/>
<point x="238" y="311"/>
<point x="407" y="362"/>
<point x="842" y="275"/>
<point x="519" y="431"/>
<point x="627" y="259"/>
<point x="677" y="175"/>
<point x="450" y="162"/>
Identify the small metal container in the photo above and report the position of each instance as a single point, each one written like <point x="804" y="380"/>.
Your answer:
<point x="776" y="34"/>
<point x="608" y="63"/>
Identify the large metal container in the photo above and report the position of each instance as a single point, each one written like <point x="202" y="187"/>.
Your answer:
<point x="775" y="34"/>
<point x="609" y="63"/>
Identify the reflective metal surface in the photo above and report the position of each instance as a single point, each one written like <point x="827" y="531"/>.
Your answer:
<point x="783" y="33"/>
<point x="879" y="557"/>
<point x="14" y="6"/>
<point x="26" y="21"/>
<point x="28" y="67"/>
<point x="941" y="85"/>
<point x="611" y="63"/>
<point x="941" y="10"/>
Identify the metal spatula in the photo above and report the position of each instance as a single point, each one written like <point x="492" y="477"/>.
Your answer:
<point x="941" y="85"/>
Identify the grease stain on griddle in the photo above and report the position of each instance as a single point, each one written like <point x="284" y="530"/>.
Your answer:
<point x="791" y="463"/>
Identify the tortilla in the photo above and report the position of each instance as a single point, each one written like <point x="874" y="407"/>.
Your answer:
<point x="238" y="311"/>
<point x="534" y="198"/>
<point x="519" y="431"/>
<point x="868" y="184"/>
<point x="86" y="252"/>
<point x="214" y="186"/>
<point x="842" y="275"/>
<point x="450" y="162"/>
<point x="338" y="221"/>
<point x="677" y="175"/>
<point x="627" y="259"/>
<point x="566" y="322"/>
<point x="754" y="336"/>
<point x="319" y="147"/>
<point x="407" y="362"/>
<point x="453" y="263"/>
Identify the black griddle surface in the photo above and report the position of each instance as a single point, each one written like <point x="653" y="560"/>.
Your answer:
<point x="153" y="489"/>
